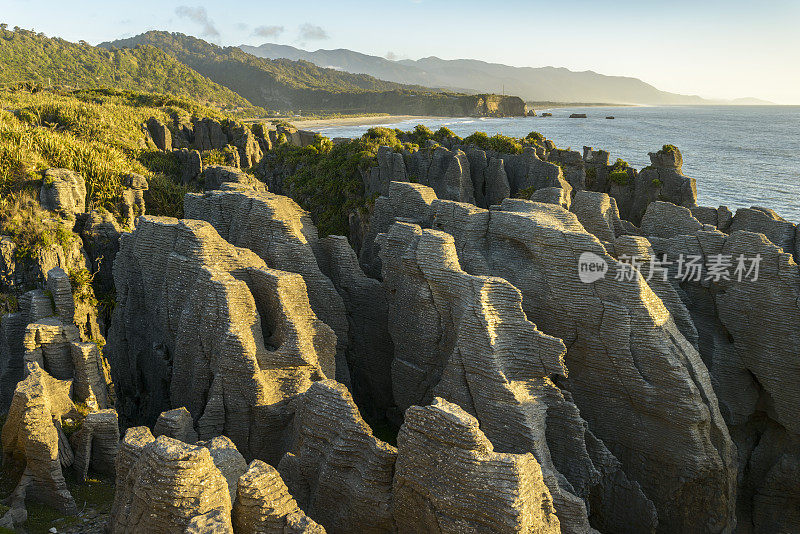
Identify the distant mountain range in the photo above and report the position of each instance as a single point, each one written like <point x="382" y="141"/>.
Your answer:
<point x="542" y="84"/>
<point x="291" y="85"/>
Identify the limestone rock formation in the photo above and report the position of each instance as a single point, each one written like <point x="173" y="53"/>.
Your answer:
<point x="63" y="191"/>
<point x="282" y="234"/>
<point x="339" y="473"/>
<point x="100" y="234"/>
<point x="32" y="438"/>
<point x="448" y="479"/>
<point x="160" y="134"/>
<point x="264" y="506"/>
<point x="665" y="219"/>
<point x="133" y="197"/>
<point x="598" y="214"/>
<point x="228" y="460"/>
<point x="216" y="175"/>
<point x="176" y="424"/>
<point x="92" y="379"/>
<point x="191" y="164"/>
<point x="48" y="343"/>
<point x="765" y="221"/>
<point x="747" y="320"/>
<point x="663" y="180"/>
<point x="95" y="443"/>
<point x="658" y="385"/>
<point x="170" y="487"/>
<point x="370" y="350"/>
<point x="202" y="324"/>
<point x="465" y="338"/>
<point x="552" y="195"/>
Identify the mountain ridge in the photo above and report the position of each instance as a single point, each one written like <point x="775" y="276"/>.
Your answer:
<point x="547" y="83"/>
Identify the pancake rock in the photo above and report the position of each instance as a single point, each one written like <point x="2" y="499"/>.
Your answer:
<point x="96" y="443"/>
<point x="264" y="506"/>
<point x="176" y="424"/>
<point x="282" y="234"/>
<point x="170" y="487"/>
<point x="216" y="175"/>
<point x="663" y="180"/>
<point x="202" y="324"/>
<point x="32" y="438"/>
<point x="133" y="197"/>
<point x="625" y="354"/>
<point x="92" y="378"/>
<point x="370" y="349"/>
<point x="745" y="301"/>
<point x="63" y="191"/>
<point x="100" y="233"/>
<point x="340" y="474"/>
<point x="228" y="460"/>
<point x="465" y="338"/>
<point x="448" y="479"/>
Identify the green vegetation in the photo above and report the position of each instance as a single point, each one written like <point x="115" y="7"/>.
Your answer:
<point x="327" y="178"/>
<point x="97" y="133"/>
<point x="525" y="193"/>
<point x="669" y="148"/>
<point x="657" y="182"/>
<point x="33" y="58"/>
<point x="498" y="143"/>
<point x="444" y="133"/>
<point x="619" y="172"/>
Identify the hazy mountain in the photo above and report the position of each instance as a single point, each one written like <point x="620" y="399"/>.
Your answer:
<point x="532" y="84"/>
<point x="291" y="85"/>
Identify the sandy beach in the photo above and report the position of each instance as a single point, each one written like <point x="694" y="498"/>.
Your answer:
<point x="316" y="124"/>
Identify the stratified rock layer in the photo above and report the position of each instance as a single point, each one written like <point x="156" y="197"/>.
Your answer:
<point x="203" y="324"/>
<point x="466" y="338"/>
<point x="170" y="487"/>
<point x="448" y="479"/>
<point x="264" y="505"/>
<point x="281" y="234"/>
<point x="340" y="474"/>
<point x="625" y="354"/>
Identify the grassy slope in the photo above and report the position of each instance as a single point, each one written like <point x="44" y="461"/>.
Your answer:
<point x="26" y="56"/>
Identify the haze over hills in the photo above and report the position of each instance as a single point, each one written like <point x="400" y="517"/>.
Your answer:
<point x="284" y="84"/>
<point x="532" y="84"/>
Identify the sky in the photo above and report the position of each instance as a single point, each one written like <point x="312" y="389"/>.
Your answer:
<point x="712" y="48"/>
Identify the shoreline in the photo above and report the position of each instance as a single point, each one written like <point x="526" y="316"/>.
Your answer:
<point x="311" y="124"/>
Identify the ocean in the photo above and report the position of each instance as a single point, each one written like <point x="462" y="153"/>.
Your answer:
<point x="741" y="156"/>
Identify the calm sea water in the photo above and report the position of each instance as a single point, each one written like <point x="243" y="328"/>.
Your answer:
<point x="740" y="156"/>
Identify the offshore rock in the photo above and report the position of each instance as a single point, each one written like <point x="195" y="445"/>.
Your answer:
<point x="340" y="474"/>
<point x="96" y="443"/>
<point x="171" y="487"/>
<point x="203" y="324"/>
<point x="32" y="437"/>
<point x="283" y="235"/>
<point x="466" y="339"/>
<point x="449" y="479"/>
<point x="264" y="506"/>
<point x="63" y="191"/>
